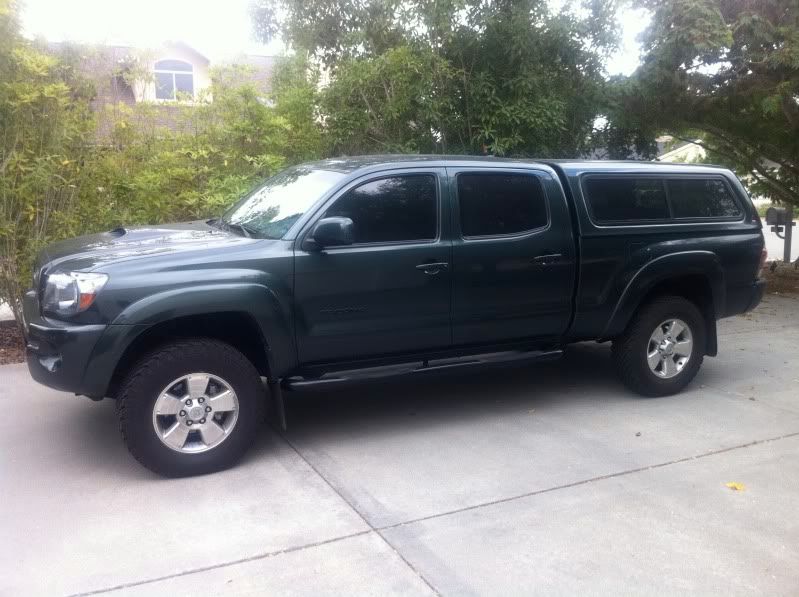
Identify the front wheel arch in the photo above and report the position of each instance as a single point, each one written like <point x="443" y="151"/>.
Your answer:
<point x="235" y="328"/>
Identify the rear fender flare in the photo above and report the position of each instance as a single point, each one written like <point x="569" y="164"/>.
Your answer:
<point x="660" y="269"/>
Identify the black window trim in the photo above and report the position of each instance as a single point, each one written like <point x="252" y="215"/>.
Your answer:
<point x="366" y="179"/>
<point x="671" y="220"/>
<point x="456" y="213"/>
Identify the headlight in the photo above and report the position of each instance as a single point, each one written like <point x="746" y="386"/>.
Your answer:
<point x="70" y="293"/>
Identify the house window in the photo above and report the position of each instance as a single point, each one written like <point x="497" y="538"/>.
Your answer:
<point x="174" y="79"/>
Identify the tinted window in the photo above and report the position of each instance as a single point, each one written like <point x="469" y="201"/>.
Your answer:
<point x="399" y="208"/>
<point x="493" y="204"/>
<point x="701" y="198"/>
<point x="624" y="199"/>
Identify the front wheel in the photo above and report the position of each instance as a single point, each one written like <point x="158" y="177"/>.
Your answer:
<point x="663" y="347"/>
<point x="190" y="407"/>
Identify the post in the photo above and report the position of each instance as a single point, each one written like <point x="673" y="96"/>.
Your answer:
<point x="786" y="255"/>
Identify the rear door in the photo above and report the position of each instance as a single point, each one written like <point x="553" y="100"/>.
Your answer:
<point x="513" y="255"/>
<point x="389" y="292"/>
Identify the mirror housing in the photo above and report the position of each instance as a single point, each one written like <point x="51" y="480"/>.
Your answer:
<point x="332" y="232"/>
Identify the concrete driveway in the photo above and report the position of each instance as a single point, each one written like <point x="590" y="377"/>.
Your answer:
<point x="544" y="480"/>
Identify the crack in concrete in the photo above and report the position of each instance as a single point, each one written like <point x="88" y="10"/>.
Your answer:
<point x="261" y="556"/>
<point x="378" y="530"/>
<point x="363" y="517"/>
<point x="591" y="480"/>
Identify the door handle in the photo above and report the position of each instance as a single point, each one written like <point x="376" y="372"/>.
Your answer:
<point x="433" y="268"/>
<point x="547" y="259"/>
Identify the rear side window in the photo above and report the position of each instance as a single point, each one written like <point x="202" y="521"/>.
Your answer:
<point x="701" y="198"/>
<point x="625" y="199"/>
<point x="496" y="204"/>
<point x="395" y="209"/>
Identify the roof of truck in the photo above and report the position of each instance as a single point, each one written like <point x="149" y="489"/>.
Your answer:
<point x="349" y="164"/>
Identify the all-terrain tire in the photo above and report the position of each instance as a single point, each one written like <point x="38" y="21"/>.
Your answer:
<point x="631" y="348"/>
<point x="151" y="375"/>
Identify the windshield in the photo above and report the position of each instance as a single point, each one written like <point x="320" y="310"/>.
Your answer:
<point x="271" y="209"/>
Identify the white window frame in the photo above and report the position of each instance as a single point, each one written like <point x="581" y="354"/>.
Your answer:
<point x="166" y="71"/>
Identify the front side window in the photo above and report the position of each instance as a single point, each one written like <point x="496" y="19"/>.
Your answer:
<point x="395" y="209"/>
<point x="701" y="198"/>
<point x="174" y="79"/>
<point x="626" y="199"/>
<point x="495" y="204"/>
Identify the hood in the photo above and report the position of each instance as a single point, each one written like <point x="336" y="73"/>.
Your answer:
<point x="85" y="253"/>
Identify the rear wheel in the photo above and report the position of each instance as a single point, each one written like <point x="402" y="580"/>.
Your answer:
<point x="191" y="407"/>
<point x="663" y="347"/>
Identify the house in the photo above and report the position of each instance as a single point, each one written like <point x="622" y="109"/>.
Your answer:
<point x="684" y="152"/>
<point x="170" y="77"/>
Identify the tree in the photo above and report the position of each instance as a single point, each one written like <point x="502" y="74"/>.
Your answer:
<point x="509" y="77"/>
<point x="725" y="72"/>
<point x="294" y="93"/>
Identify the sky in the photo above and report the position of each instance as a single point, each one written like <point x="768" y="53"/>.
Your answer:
<point x="216" y="28"/>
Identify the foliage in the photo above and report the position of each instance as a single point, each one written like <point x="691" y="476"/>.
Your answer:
<point x="725" y="72"/>
<point x="61" y="175"/>
<point x="511" y="77"/>
<point x="394" y="103"/>
<point x="43" y="127"/>
<point x="192" y="164"/>
<point x="294" y="94"/>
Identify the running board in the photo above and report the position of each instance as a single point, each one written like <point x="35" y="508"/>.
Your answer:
<point x="419" y="368"/>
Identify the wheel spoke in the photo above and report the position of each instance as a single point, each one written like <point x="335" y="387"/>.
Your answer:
<point x="676" y="329"/>
<point x="683" y="347"/>
<point x="653" y="358"/>
<point x="168" y="405"/>
<point x="223" y="402"/>
<point x="658" y="335"/>
<point x="211" y="432"/>
<point x="197" y="384"/>
<point x="176" y="435"/>
<point x="669" y="367"/>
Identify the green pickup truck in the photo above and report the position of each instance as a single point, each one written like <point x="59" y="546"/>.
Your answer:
<point x="346" y="270"/>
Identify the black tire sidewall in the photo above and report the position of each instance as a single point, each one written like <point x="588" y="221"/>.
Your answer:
<point x="163" y="367"/>
<point x="642" y="378"/>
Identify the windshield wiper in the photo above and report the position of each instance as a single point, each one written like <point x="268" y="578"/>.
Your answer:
<point x="243" y="229"/>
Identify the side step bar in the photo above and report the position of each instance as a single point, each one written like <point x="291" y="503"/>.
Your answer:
<point x="418" y="368"/>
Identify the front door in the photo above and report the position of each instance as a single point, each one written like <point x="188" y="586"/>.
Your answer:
<point x="387" y="293"/>
<point x="513" y="256"/>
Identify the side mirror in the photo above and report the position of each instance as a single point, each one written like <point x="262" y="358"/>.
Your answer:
<point x="332" y="232"/>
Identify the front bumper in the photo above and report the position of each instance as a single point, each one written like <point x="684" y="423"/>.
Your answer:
<point x="58" y="353"/>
